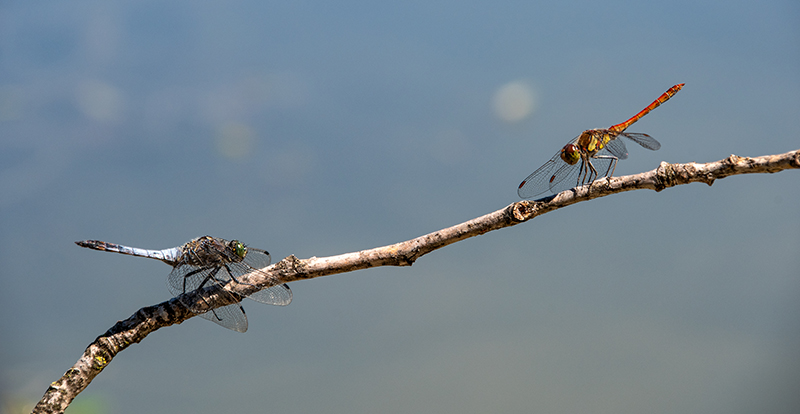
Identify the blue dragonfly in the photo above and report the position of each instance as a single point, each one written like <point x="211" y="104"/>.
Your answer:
<point x="208" y="261"/>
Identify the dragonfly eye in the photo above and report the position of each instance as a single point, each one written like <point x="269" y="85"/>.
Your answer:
<point x="570" y="154"/>
<point x="239" y="248"/>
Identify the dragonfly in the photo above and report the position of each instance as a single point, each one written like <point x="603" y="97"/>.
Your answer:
<point x="592" y="154"/>
<point x="209" y="261"/>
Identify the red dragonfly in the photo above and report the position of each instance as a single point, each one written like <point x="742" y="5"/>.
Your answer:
<point x="592" y="154"/>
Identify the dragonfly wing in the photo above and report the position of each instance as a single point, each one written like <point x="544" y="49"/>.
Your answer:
<point x="642" y="139"/>
<point x="616" y="147"/>
<point x="186" y="278"/>
<point x="231" y="317"/>
<point x="257" y="258"/>
<point x="279" y="295"/>
<point x="539" y="181"/>
<point x="566" y="177"/>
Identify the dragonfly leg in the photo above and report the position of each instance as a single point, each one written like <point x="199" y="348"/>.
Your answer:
<point x="582" y="171"/>
<point x="230" y="272"/>
<point x="188" y="275"/>
<point x="233" y="277"/>
<point x="209" y="277"/>
<point x="611" y="166"/>
<point x="215" y="313"/>
<point x="592" y="175"/>
<point x="203" y="283"/>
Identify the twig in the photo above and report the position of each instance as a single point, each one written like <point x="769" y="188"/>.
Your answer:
<point x="147" y="320"/>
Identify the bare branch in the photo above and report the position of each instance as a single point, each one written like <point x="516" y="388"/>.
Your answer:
<point x="132" y="330"/>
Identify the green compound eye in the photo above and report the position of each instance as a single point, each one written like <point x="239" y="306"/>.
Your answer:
<point x="239" y="249"/>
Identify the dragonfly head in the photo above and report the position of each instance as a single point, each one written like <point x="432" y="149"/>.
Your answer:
<point x="571" y="154"/>
<point x="239" y="248"/>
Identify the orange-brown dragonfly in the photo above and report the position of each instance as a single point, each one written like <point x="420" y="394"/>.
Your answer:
<point x="592" y="154"/>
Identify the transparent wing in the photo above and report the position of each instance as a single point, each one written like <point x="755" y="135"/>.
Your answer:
<point x="540" y="180"/>
<point x="256" y="259"/>
<point x="580" y="174"/>
<point x="642" y="139"/>
<point x="566" y="177"/>
<point x="557" y="176"/>
<point x="616" y="147"/>
<point x="187" y="278"/>
<point x="231" y="317"/>
<point x="279" y="295"/>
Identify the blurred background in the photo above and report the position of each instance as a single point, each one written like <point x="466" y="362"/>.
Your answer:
<point x="315" y="129"/>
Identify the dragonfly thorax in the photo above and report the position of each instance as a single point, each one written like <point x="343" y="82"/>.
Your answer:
<point x="594" y="140"/>
<point x="206" y="251"/>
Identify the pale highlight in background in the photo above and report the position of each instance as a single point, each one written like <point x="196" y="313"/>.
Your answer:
<point x="100" y="101"/>
<point x="235" y="140"/>
<point x="514" y="101"/>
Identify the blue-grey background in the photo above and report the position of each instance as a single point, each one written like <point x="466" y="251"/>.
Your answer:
<point x="318" y="128"/>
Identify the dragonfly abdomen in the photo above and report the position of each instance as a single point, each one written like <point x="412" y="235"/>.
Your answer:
<point x="661" y="99"/>
<point x="169" y="256"/>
